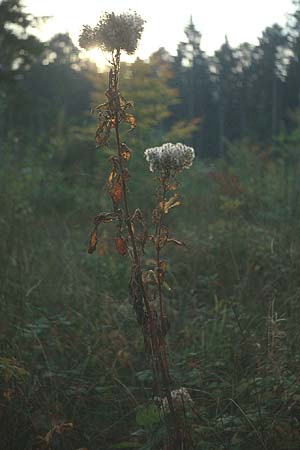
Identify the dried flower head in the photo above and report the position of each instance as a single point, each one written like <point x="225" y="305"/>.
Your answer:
<point x="170" y="157"/>
<point x="114" y="32"/>
<point x="181" y="400"/>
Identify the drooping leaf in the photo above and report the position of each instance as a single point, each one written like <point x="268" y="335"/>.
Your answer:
<point x="129" y="118"/>
<point x="171" y="203"/>
<point x="114" y="184"/>
<point x="121" y="246"/>
<point x="102" y="106"/>
<point x="137" y="217"/>
<point x="176" y="242"/>
<point x="93" y="241"/>
<point x="125" y="104"/>
<point x="103" y="131"/>
<point x="116" y="192"/>
<point x="106" y="217"/>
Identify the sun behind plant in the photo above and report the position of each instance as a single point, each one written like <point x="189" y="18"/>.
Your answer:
<point x="112" y="34"/>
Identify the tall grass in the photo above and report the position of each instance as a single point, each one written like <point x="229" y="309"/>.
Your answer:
<point x="71" y="366"/>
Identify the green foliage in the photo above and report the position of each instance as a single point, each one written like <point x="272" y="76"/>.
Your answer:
<point x="69" y="342"/>
<point x="146" y="417"/>
<point x="72" y="372"/>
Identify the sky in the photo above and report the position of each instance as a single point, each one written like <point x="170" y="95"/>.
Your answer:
<point x="240" y="20"/>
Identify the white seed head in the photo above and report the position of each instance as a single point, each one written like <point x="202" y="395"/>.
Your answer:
<point x="114" y="32"/>
<point x="169" y="157"/>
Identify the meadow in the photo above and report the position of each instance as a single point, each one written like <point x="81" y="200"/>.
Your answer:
<point x="74" y="370"/>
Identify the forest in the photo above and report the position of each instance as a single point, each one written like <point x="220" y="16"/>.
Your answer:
<point x="76" y="372"/>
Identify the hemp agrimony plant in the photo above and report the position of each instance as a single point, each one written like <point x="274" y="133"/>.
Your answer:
<point x="112" y="34"/>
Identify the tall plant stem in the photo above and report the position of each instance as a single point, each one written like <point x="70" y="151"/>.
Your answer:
<point x="136" y="259"/>
<point x="158" y="263"/>
<point x="157" y="340"/>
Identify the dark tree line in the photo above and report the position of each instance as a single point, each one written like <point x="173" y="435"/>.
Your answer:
<point x="251" y="91"/>
<point x="39" y="81"/>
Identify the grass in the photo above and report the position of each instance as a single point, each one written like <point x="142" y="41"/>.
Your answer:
<point x="72" y="367"/>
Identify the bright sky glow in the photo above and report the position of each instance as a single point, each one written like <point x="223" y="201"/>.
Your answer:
<point x="241" y="20"/>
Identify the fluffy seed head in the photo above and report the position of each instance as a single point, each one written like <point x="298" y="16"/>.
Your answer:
<point x="169" y="157"/>
<point x="114" y="32"/>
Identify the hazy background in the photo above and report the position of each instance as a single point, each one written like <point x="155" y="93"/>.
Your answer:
<point x="241" y="21"/>
<point x="73" y="370"/>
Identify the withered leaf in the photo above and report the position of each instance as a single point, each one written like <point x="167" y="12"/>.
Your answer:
<point x="137" y="218"/>
<point x="176" y="241"/>
<point x="125" y="104"/>
<point x="93" y="241"/>
<point x="132" y="227"/>
<point x="116" y="192"/>
<point x="129" y="118"/>
<point x="111" y="176"/>
<point x="114" y="185"/>
<point x="113" y="122"/>
<point x="171" y="203"/>
<point x="121" y="246"/>
<point x="106" y="217"/>
<point x="102" y="132"/>
<point x="102" y="106"/>
<point x="125" y="152"/>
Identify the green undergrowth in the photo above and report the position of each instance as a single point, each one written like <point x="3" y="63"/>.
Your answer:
<point x="73" y="373"/>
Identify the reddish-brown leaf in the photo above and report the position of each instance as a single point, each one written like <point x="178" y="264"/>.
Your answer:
<point x="93" y="241"/>
<point x="116" y="192"/>
<point x="114" y="185"/>
<point x="121" y="246"/>
<point x="113" y="122"/>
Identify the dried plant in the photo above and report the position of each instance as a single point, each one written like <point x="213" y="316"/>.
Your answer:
<point x="114" y="33"/>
